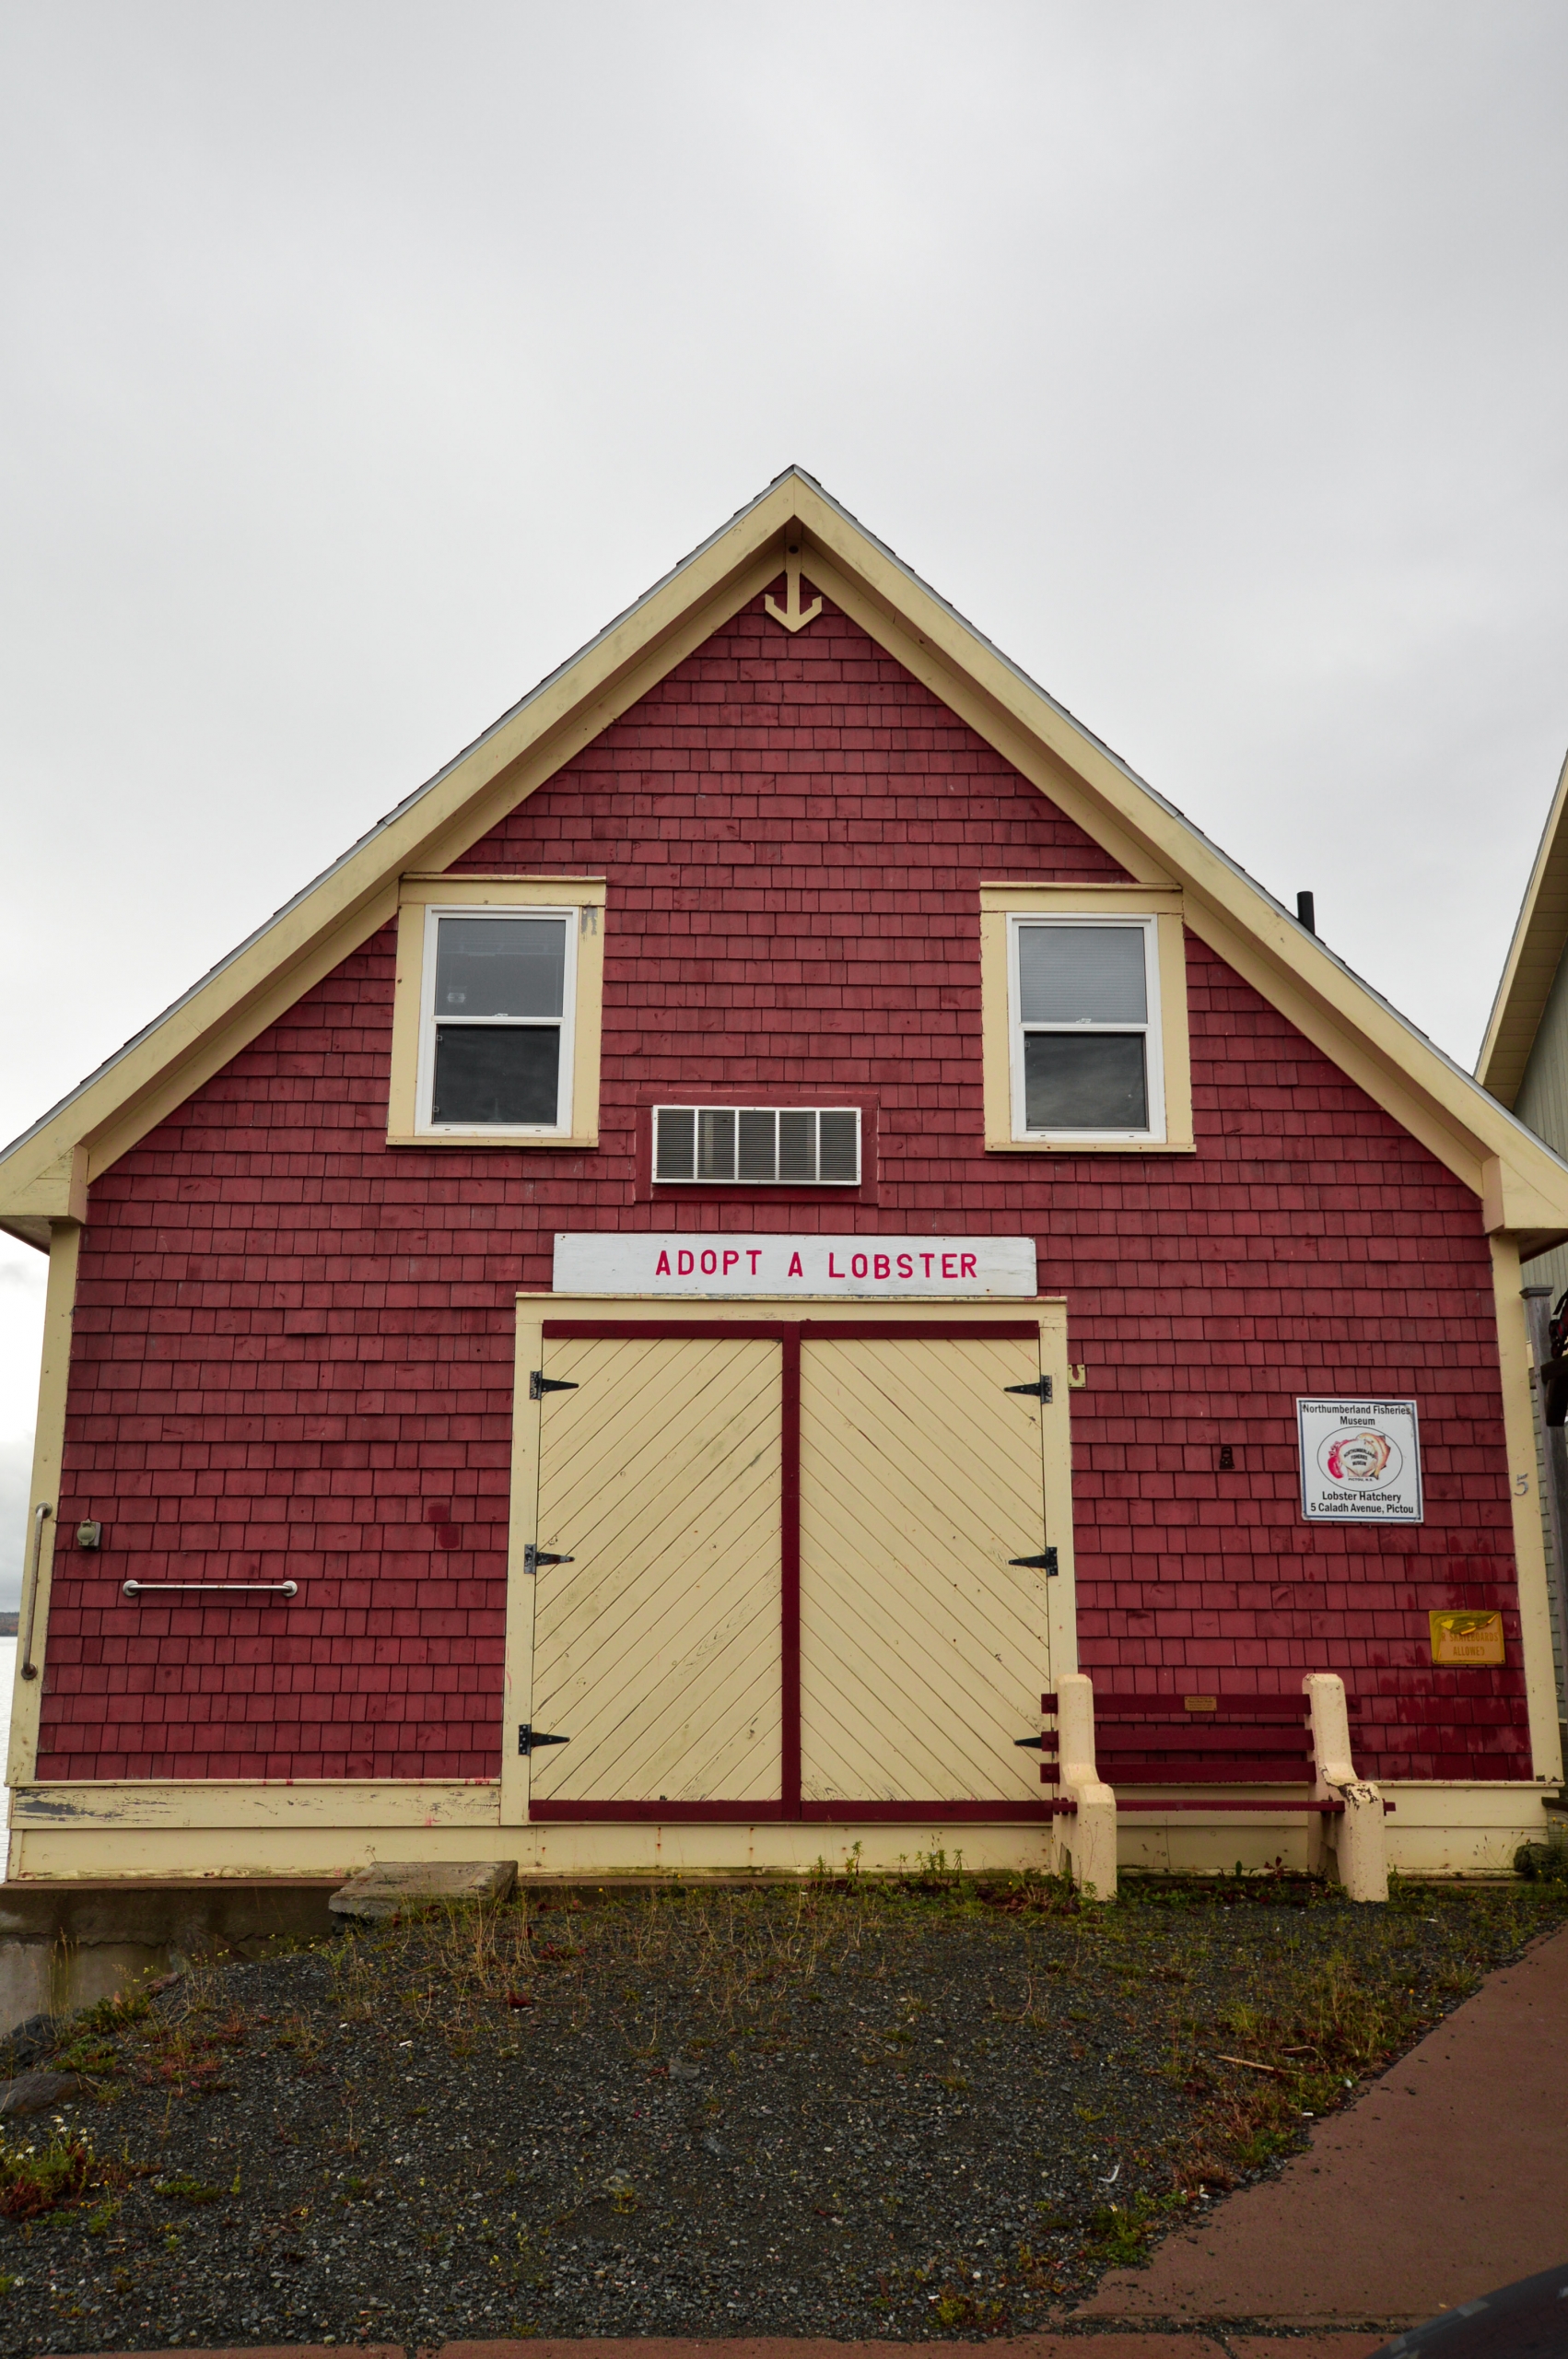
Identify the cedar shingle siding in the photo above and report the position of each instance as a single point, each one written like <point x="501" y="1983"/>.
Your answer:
<point x="293" y="1346"/>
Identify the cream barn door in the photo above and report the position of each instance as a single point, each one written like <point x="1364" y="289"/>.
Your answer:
<point x="923" y="1647"/>
<point x="657" y="1648"/>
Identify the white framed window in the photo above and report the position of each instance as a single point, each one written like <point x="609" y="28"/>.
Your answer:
<point x="784" y="1147"/>
<point x="496" y="1021"/>
<point x="1085" y="1040"/>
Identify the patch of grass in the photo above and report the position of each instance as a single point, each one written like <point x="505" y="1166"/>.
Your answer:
<point x="89" y="2056"/>
<point x="182" y="2190"/>
<point x="117" y="2012"/>
<point x="1118" y="2231"/>
<point x="956" y="2305"/>
<point x="36" y="2180"/>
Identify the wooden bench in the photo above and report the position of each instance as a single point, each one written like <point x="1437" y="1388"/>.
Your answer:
<point x="1210" y="1737"/>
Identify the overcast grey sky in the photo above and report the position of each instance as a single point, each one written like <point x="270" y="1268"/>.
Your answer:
<point x="362" y="358"/>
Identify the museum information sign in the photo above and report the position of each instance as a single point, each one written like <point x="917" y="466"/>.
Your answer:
<point x="1360" y="1462"/>
<point x="860" y="1268"/>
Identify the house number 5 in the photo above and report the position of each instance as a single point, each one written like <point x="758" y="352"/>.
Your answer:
<point x="1521" y="1486"/>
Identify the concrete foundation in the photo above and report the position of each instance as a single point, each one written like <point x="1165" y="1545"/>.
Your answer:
<point x="65" y="1946"/>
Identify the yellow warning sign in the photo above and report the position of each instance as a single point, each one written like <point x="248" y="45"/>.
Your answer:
<point x="1467" y="1638"/>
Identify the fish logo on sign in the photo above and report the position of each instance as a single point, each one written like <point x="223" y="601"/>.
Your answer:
<point x="1361" y="1456"/>
<point x="1360" y="1460"/>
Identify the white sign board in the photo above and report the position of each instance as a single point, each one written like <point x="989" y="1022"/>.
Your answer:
<point x="863" y="1269"/>
<point x="1360" y="1462"/>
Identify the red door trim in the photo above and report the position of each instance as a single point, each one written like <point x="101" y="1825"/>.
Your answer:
<point x="619" y="1331"/>
<point x="790" y="1580"/>
<point x="665" y="1813"/>
<point x="811" y="1330"/>
<point x="827" y="1813"/>
<point x="919" y="1331"/>
<point x="843" y="1813"/>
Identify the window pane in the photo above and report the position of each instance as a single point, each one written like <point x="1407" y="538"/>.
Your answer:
<point x="1073" y="974"/>
<point x="715" y="1143"/>
<point x="840" y="1160"/>
<point x="500" y="965"/>
<point x="797" y="1147"/>
<point x="675" y="1151"/>
<point x="494" y="1074"/>
<point x="1084" y="1081"/>
<point x="758" y="1143"/>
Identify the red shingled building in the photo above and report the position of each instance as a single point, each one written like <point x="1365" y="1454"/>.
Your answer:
<point x="817" y="927"/>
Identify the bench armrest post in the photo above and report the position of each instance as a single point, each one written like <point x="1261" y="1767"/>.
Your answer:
<point x="1094" y="1839"/>
<point x="1358" y="1838"/>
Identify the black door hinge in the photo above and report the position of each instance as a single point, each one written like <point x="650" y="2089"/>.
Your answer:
<point x="539" y="1384"/>
<point x="1045" y="1564"/>
<point x="529" y="1740"/>
<point x="533" y="1557"/>
<point x="1037" y="1743"/>
<point x="1039" y="1390"/>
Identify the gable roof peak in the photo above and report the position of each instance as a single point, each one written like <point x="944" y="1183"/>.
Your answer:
<point x="43" y="1174"/>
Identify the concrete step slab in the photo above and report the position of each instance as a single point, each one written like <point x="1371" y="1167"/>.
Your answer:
<point x="386" y="1890"/>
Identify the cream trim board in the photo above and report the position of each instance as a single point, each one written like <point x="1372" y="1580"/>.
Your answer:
<point x="1049" y="897"/>
<point x="48" y="1455"/>
<point x="1051" y="1309"/>
<point x="521" y="1586"/>
<point x="1534" y="955"/>
<point x="1169" y="1062"/>
<point x="1438" y="1831"/>
<point x="1056" y="1453"/>
<point x="241" y="1802"/>
<point x="422" y="900"/>
<point x="480" y="888"/>
<point x="1529" y="1544"/>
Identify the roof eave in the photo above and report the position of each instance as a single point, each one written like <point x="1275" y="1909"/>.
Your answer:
<point x="575" y="702"/>
<point x="1534" y="953"/>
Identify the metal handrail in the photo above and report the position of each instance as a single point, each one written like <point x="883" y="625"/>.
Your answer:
<point x="41" y="1516"/>
<point x="212" y="1589"/>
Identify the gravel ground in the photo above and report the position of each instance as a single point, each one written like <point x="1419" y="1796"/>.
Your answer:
<point x="935" y="2110"/>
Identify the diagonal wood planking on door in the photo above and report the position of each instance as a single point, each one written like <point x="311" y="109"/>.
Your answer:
<point x="923" y="1651"/>
<point x="657" y="1652"/>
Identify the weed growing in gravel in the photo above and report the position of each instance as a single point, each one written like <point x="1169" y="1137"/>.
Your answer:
<point x="35" y="2179"/>
<point x="185" y="2189"/>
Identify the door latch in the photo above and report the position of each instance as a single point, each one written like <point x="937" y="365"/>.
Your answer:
<point x="529" y="1740"/>
<point x="1039" y="1390"/>
<point x="539" y="1384"/>
<point x="533" y="1557"/>
<point x="1045" y="1563"/>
